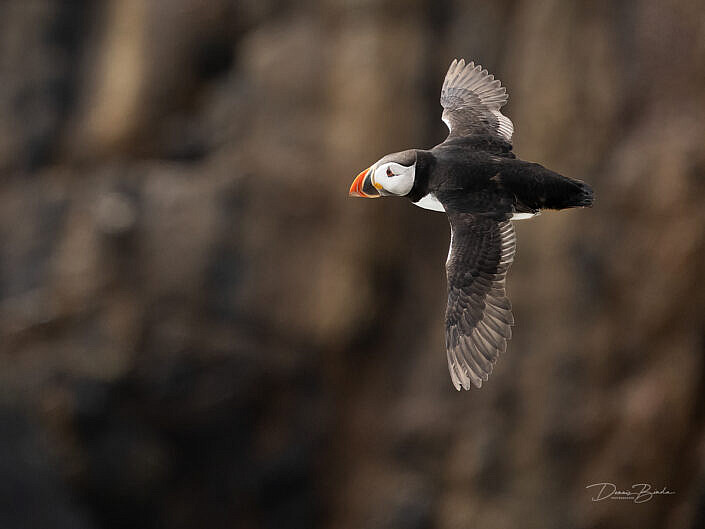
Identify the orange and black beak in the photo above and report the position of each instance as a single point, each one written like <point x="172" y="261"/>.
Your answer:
<point x="363" y="187"/>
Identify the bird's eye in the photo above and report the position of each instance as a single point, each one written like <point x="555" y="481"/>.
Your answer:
<point x="389" y="172"/>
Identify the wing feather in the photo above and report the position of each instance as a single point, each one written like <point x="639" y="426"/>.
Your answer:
<point x="471" y="98"/>
<point x="479" y="314"/>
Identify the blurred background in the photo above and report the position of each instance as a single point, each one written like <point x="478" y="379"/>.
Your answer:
<point x="198" y="328"/>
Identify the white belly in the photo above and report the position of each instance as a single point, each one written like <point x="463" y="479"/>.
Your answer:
<point x="522" y="216"/>
<point x="430" y="202"/>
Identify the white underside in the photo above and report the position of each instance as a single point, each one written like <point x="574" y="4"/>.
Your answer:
<point x="430" y="202"/>
<point x="523" y="216"/>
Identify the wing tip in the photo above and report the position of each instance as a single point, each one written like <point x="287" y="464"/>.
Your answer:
<point x="474" y="76"/>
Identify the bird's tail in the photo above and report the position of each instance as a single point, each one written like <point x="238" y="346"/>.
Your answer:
<point x="579" y="194"/>
<point x="536" y="187"/>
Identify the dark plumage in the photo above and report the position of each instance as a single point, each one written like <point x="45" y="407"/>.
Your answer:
<point x="477" y="180"/>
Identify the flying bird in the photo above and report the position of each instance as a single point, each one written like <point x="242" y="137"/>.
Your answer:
<point x="475" y="178"/>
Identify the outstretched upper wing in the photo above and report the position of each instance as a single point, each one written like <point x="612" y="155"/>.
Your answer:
<point x="471" y="99"/>
<point x="479" y="315"/>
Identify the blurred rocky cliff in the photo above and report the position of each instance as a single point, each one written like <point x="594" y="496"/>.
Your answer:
<point x="199" y="329"/>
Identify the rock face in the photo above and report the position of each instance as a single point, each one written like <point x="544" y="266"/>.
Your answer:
<point x="199" y="329"/>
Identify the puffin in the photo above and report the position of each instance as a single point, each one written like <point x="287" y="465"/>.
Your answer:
<point x="479" y="183"/>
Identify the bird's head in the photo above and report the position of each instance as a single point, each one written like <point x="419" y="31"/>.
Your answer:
<point x="393" y="175"/>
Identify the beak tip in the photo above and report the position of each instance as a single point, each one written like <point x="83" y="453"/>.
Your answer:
<point x="355" y="191"/>
<point x="356" y="187"/>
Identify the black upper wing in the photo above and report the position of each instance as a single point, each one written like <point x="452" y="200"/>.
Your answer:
<point x="471" y="99"/>
<point x="479" y="315"/>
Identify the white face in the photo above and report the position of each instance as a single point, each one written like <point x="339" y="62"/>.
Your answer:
<point x="394" y="178"/>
